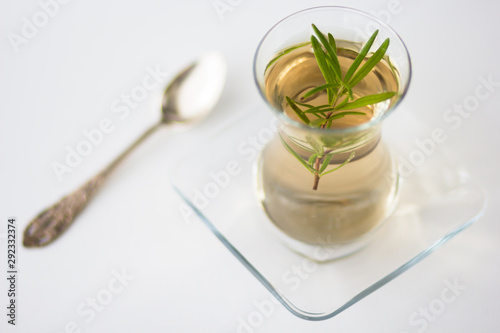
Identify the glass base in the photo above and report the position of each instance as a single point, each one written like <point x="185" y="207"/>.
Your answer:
<point x="438" y="199"/>
<point x="338" y="218"/>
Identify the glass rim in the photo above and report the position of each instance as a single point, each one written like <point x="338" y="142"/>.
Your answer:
<point x="332" y="131"/>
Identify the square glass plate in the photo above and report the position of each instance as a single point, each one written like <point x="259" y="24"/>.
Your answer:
<point x="438" y="199"/>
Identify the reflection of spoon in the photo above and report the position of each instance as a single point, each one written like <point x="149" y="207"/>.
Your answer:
<point x="189" y="97"/>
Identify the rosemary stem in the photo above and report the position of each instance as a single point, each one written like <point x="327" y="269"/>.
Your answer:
<point x="316" y="174"/>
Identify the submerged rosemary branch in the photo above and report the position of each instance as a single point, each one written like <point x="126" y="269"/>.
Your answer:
<point x="339" y="94"/>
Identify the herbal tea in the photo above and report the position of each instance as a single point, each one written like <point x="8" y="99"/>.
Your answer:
<point x="297" y="72"/>
<point x="358" y="176"/>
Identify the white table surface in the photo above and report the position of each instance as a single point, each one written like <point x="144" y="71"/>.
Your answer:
<point x="64" y="80"/>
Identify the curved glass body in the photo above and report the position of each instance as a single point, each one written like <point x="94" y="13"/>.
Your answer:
<point x="358" y="184"/>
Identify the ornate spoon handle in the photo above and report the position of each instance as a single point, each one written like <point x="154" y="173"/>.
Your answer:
<point x="53" y="221"/>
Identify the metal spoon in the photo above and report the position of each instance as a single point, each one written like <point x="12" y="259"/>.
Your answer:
<point x="188" y="98"/>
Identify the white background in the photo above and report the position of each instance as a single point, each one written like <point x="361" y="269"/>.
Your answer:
<point x="63" y="81"/>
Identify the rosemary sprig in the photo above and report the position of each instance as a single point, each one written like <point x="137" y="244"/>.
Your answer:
<point x="339" y="94"/>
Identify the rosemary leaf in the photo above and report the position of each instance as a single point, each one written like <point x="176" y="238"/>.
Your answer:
<point x="320" y="56"/>
<point x="366" y="100"/>
<point x="330" y="141"/>
<point x="312" y="159"/>
<point x="344" y="102"/>
<point x="319" y="109"/>
<point x="349" y="90"/>
<point x="318" y="148"/>
<point x="348" y="113"/>
<point x="304" y="104"/>
<point x="319" y="89"/>
<point x="361" y="56"/>
<point x="331" y="40"/>
<point x="297" y="156"/>
<point x="282" y="53"/>
<point x="369" y="64"/>
<point x="318" y="122"/>
<point x="330" y="95"/>
<point x="325" y="163"/>
<point x="332" y="53"/>
<point x="340" y="166"/>
<point x="298" y="111"/>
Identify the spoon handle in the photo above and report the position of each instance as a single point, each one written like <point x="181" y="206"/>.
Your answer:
<point x="53" y="221"/>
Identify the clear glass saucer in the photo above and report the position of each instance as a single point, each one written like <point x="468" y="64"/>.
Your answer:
<point x="438" y="200"/>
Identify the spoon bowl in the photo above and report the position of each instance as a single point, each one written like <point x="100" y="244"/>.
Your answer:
<point x="195" y="91"/>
